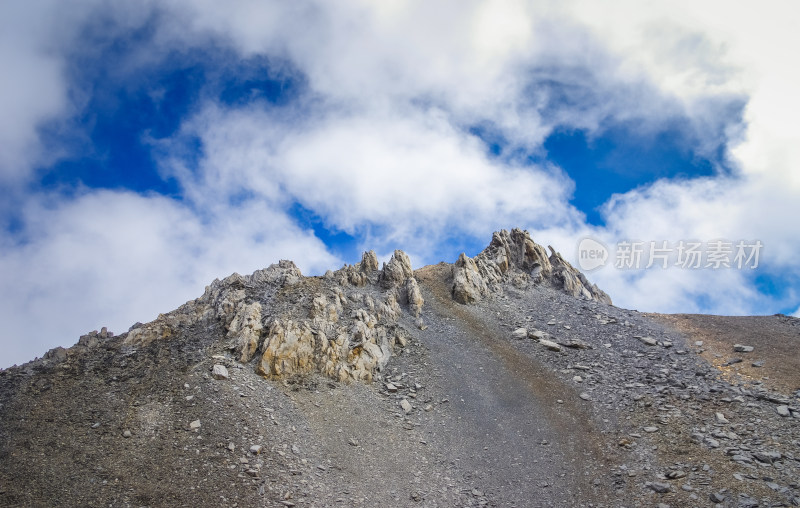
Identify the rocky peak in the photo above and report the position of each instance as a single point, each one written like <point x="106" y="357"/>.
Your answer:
<point x="513" y="257"/>
<point x="343" y="325"/>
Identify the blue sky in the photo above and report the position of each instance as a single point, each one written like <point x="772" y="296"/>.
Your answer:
<point x="149" y="149"/>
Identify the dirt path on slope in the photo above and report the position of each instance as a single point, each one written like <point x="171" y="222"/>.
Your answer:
<point x="516" y="425"/>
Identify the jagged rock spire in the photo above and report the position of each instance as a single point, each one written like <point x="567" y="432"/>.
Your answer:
<point x="514" y="257"/>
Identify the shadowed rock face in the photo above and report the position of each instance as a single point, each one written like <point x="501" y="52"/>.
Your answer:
<point x="514" y="257"/>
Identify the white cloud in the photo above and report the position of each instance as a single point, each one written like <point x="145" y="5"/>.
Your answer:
<point x="411" y="173"/>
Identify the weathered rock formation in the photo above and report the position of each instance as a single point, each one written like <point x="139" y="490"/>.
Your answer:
<point x="348" y="330"/>
<point x="514" y="257"/>
<point x="344" y="325"/>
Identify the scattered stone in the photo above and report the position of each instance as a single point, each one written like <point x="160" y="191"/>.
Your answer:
<point x="716" y="497"/>
<point x="759" y="363"/>
<point x="352" y="442"/>
<point x="698" y="343"/>
<point x="661" y="488"/>
<point x="577" y="379"/>
<point x="538" y="335"/>
<point x="231" y="446"/>
<point x="256" y="449"/>
<point x="585" y="396"/>
<point x="649" y="341"/>
<point x="783" y="410"/>
<point x="575" y="344"/>
<point x="127" y="433"/>
<point x="739" y="348"/>
<point x="194" y="425"/>
<point x="767" y="457"/>
<point x="520" y="333"/>
<point x="96" y="425"/>
<point x="406" y="405"/>
<point x="721" y="418"/>
<point x="219" y="372"/>
<point x="391" y="388"/>
<point x="746" y="501"/>
<point x="732" y="361"/>
<point x="650" y="429"/>
<point x="549" y="344"/>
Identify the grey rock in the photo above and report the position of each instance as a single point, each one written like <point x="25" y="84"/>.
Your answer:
<point x="649" y="341"/>
<point x="194" y="425"/>
<point x="397" y="270"/>
<point x="721" y="418"/>
<point x="716" y="497"/>
<point x="549" y="344"/>
<point x="127" y="433"/>
<point x="661" y="488"/>
<point x="220" y="372"/>
<point x="746" y="501"/>
<point x="783" y="410"/>
<point x="406" y="406"/>
<point x="739" y="348"/>
<point x="767" y="457"/>
<point x="256" y="449"/>
<point x="520" y="333"/>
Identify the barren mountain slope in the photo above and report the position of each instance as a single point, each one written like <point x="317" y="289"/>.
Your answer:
<point x="501" y="380"/>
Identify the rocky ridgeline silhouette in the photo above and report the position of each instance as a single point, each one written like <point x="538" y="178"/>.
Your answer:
<point x="344" y="324"/>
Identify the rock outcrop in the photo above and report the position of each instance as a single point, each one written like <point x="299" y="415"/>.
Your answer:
<point x="348" y="329"/>
<point x="513" y="257"/>
<point x="346" y="324"/>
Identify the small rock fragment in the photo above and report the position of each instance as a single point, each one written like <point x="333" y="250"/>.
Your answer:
<point x="520" y="333"/>
<point x="195" y="425"/>
<point x="649" y="341"/>
<point x="406" y="405"/>
<point x="721" y="418"/>
<point x="549" y="344"/>
<point x="219" y="372"/>
<point x="739" y="348"/>
<point x="255" y="449"/>
<point x="661" y="488"/>
<point x="783" y="410"/>
<point x="126" y="433"/>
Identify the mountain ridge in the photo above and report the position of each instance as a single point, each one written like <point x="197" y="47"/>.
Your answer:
<point x="499" y="380"/>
